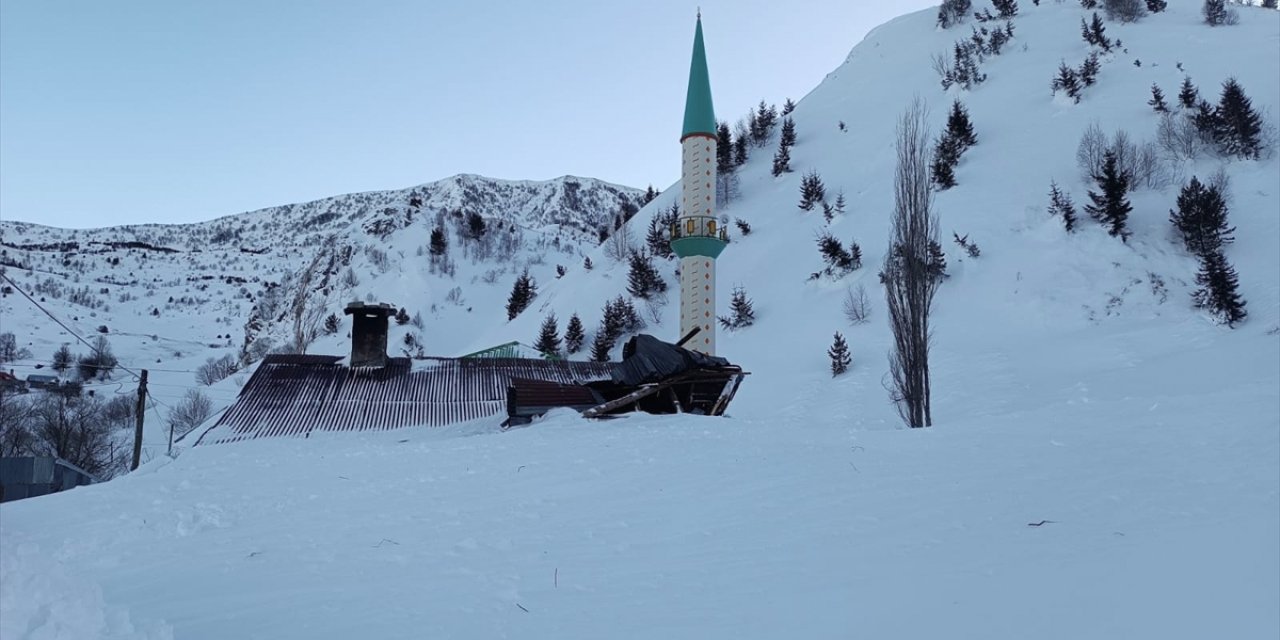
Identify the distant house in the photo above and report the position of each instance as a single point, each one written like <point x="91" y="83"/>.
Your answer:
<point x="41" y="381"/>
<point x="294" y="395"/>
<point x="10" y="382"/>
<point x="28" y="477"/>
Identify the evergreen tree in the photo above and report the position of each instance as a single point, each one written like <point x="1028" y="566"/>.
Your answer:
<point x="1269" y="4"/>
<point x="650" y="195"/>
<point x="1089" y="69"/>
<point x="522" y="294"/>
<point x="643" y="279"/>
<point x="656" y="239"/>
<point x="937" y="267"/>
<point x="1188" y="96"/>
<point x="601" y="345"/>
<point x="1201" y="218"/>
<point x="475" y="225"/>
<point x="951" y="12"/>
<point x="1157" y="99"/>
<point x="1067" y="82"/>
<point x="812" y="191"/>
<point x="1207" y="123"/>
<point x="840" y="206"/>
<point x="946" y="155"/>
<point x="1219" y="289"/>
<point x="839" y="354"/>
<point x="724" y="148"/>
<point x="574" y="335"/>
<point x="331" y="324"/>
<point x="1110" y="205"/>
<point x="959" y="128"/>
<point x="1060" y="205"/>
<point x="1006" y="8"/>
<point x="1156" y="6"/>
<point x="788" y="132"/>
<point x="765" y="116"/>
<point x="402" y="317"/>
<point x="782" y="161"/>
<point x="741" y="313"/>
<point x="586" y="263"/>
<point x="1216" y="13"/>
<point x="1095" y="33"/>
<point x="548" y="343"/>
<point x="62" y="359"/>
<point x="740" y="151"/>
<point x="839" y="260"/>
<point x="788" y="107"/>
<point x="1239" y="125"/>
<point x="439" y="242"/>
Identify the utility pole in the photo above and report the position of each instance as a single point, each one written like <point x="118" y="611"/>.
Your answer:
<point x="142" y="412"/>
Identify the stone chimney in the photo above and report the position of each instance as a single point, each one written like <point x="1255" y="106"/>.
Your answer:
<point x="369" y="333"/>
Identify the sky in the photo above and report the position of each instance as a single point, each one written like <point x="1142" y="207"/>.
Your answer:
<point x="153" y="111"/>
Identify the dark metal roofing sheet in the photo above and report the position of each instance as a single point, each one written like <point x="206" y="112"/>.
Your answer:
<point x="294" y="395"/>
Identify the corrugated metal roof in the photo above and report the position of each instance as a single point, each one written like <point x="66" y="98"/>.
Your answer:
<point x="293" y="394"/>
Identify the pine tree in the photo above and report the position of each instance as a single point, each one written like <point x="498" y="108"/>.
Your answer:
<point x="839" y="354"/>
<point x="439" y="242"/>
<point x="1216" y="13"/>
<point x="522" y="294"/>
<point x="782" y="161"/>
<point x="331" y="324"/>
<point x="1006" y="8"/>
<point x="1219" y="289"/>
<point x="1067" y="82"/>
<point x="788" y="132"/>
<point x="724" y="148"/>
<point x="586" y="264"/>
<point x="574" y="335"/>
<point x="812" y="191"/>
<point x="1099" y="31"/>
<point x="741" y="313"/>
<point x="1201" y="218"/>
<point x="740" y="151"/>
<point x="1207" y="123"/>
<point x="840" y="206"/>
<point x="788" y="107"/>
<point x="959" y="128"/>
<point x="62" y="359"/>
<point x="402" y="317"/>
<point x="951" y="12"/>
<point x="1269" y="4"/>
<point x="650" y="195"/>
<point x="548" y="343"/>
<point x="1239" y="125"/>
<point x="1089" y="69"/>
<point x="656" y="238"/>
<point x="1188" y="96"/>
<point x="1156" y="6"/>
<point x="839" y="260"/>
<point x="1110" y="205"/>
<point x="1157" y="99"/>
<point x="1060" y="205"/>
<point x="643" y="279"/>
<point x="601" y="345"/>
<point x="945" y="156"/>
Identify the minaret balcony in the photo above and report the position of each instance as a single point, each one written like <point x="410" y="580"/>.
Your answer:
<point x="698" y="236"/>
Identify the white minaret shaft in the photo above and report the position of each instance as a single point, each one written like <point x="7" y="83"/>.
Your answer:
<point x="698" y="272"/>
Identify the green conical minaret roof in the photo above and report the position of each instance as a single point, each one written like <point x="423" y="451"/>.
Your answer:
<point x="699" y="117"/>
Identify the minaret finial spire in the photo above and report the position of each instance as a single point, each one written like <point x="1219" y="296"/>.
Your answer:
<point x="699" y="12"/>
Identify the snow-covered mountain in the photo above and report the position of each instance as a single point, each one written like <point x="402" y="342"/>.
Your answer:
<point x="1104" y="460"/>
<point x="171" y="296"/>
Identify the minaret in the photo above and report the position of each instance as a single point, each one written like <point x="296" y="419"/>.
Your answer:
<point x="697" y="237"/>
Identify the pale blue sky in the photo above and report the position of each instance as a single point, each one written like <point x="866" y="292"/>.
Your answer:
<point x="162" y="111"/>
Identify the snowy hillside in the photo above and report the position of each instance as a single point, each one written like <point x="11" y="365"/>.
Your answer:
<point x="172" y="296"/>
<point x="1104" y="461"/>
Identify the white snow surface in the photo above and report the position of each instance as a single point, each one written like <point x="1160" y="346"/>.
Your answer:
<point x="1105" y="460"/>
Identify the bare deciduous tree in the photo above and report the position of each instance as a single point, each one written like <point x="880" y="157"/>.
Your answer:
<point x="857" y="307"/>
<point x="193" y="409"/>
<point x="909" y="284"/>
